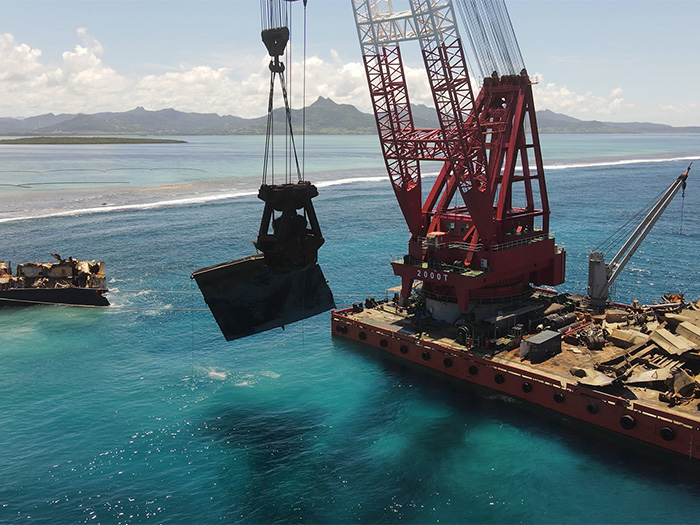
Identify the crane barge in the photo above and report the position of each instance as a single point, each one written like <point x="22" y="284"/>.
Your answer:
<point x="470" y="304"/>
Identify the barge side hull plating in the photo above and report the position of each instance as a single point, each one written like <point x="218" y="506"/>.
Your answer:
<point x="55" y="296"/>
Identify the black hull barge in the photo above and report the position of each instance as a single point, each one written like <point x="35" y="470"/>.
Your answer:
<point x="66" y="282"/>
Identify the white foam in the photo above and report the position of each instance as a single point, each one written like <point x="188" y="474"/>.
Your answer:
<point x="626" y="162"/>
<point x="126" y="207"/>
<point x="215" y="373"/>
<point x="203" y="199"/>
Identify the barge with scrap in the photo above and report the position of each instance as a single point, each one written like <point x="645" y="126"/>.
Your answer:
<point x="475" y="301"/>
<point x="66" y="281"/>
<point x="629" y="370"/>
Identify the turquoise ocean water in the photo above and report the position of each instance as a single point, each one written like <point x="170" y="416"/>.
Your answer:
<point x="141" y="412"/>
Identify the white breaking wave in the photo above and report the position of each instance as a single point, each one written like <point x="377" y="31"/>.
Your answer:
<point x="185" y="201"/>
<point x="203" y="199"/>
<point x="188" y="201"/>
<point x="603" y="164"/>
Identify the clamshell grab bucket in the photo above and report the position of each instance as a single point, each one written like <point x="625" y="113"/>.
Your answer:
<point x="246" y="296"/>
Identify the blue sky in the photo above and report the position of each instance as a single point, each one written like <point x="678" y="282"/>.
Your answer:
<point x="615" y="60"/>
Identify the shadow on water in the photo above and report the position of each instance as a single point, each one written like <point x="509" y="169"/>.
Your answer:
<point x="271" y="476"/>
<point x="302" y="463"/>
<point x="598" y="447"/>
<point x="412" y="442"/>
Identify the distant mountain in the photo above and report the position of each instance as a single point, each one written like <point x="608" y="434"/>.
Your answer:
<point x="323" y="117"/>
<point x="550" y="122"/>
<point x="11" y="126"/>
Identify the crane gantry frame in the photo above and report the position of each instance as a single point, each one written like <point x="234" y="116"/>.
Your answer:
<point x="481" y="247"/>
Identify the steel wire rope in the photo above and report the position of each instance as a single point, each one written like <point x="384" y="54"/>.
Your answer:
<point x="680" y="232"/>
<point x="269" y="135"/>
<point x="288" y="114"/>
<point x="491" y="36"/>
<point x="471" y="43"/>
<point x="192" y="331"/>
<point x="511" y="33"/>
<point x="273" y="15"/>
<point x="682" y="208"/>
<point x="303" y="162"/>
<point x="485" y="28"/>
<point x="501" y="40"/>
<point x="622" y="233"/>
<point x="289" y="84"/>
<point x="496" y="39"/>
<point x="303" y="101"/>
<point x="486" y="49"/>
<point x="498" y="50"/>
<point x="517" y="62"/>
<point x="475" y="29"/>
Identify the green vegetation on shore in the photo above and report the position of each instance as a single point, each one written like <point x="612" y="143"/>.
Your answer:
<point x="90" y="140"/>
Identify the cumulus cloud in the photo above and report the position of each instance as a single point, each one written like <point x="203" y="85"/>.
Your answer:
<point x="79" y="83"/>
<point x="190" y="90"/>
<point x="588" y="105"/>
<point x="82" y="83"/>
<point x="18" y="62"/>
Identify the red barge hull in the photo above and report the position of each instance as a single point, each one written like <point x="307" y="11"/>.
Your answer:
<point x="628" y="418"/>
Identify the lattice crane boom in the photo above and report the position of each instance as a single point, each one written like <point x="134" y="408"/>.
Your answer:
<point x="601" y="276"/>
<point x="482" y="232"/>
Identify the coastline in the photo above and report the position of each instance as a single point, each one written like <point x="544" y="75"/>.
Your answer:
<point x="59" y="140"/>
<point x="37" y="201"/>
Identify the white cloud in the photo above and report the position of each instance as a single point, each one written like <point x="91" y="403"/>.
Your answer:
<point x="79" y="83"/>
<point x="680" y="109"/>
<point x="189" y="90"/>
<point x="18" y="62"/>
<point x="82" y="83"/>
<point x="343" y="83"/>
<point x="587" y="106"/>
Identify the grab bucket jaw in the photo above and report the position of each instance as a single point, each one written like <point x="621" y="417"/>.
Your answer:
<point x="246" y="296"/>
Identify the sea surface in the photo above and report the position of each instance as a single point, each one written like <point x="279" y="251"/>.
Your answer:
<point x="142" y="412"/>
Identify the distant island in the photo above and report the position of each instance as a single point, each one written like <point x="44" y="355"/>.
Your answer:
<point x="323" y="117"/>
<point x="90" y="140"/>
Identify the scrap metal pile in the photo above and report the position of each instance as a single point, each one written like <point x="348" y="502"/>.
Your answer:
<point x="656" y="347"/>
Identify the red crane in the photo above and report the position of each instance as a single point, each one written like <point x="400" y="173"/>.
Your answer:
<point x="481" y="235"/>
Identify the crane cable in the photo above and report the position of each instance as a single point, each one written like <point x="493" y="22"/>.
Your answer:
<point x="683" y="202"/>
<point x="276" y="24"/>
<point x="616" y="238"/>
<point x="491" y="35"/>
<point x="303" y="104"/>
